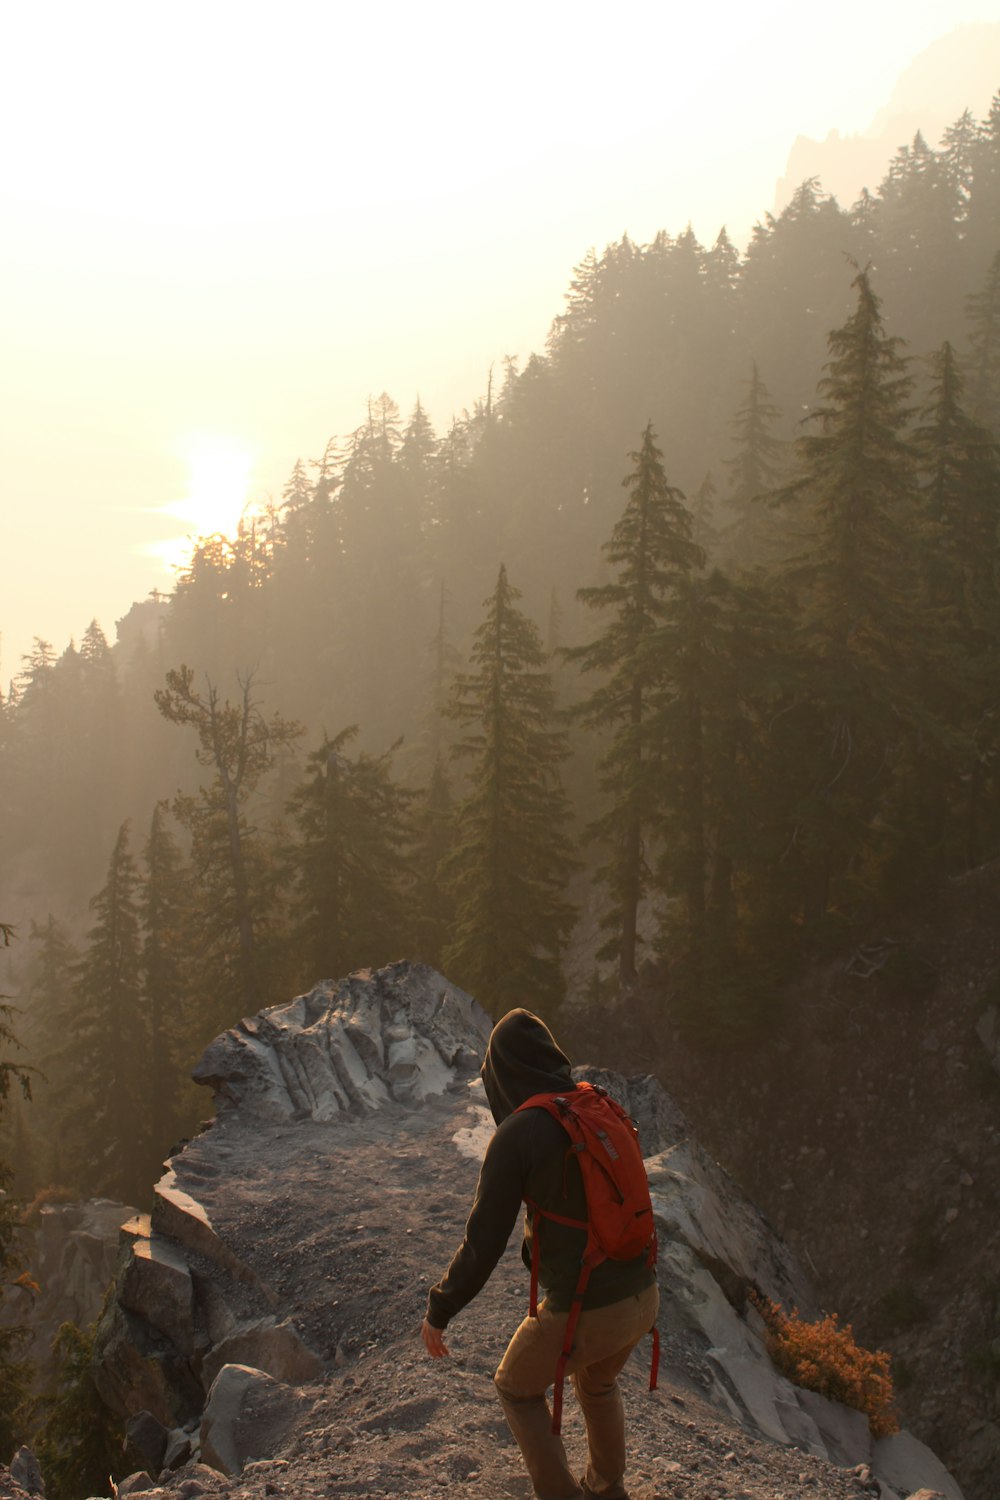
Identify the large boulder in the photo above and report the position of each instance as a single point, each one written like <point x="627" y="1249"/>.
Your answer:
<point x="248" y="1416"/>
<point x="347" y="1048"/>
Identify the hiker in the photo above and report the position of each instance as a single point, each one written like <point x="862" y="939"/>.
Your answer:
<point x="530" y="1158"/>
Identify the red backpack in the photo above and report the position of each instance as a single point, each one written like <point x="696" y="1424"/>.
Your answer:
<point x="619" y="1220"/>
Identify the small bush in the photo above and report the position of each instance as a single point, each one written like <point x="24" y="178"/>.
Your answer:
<point x="80" y="1441"/>
<point x="824" y="1357"/>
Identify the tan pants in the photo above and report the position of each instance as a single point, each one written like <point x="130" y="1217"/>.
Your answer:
<point x="605" y="1337"/>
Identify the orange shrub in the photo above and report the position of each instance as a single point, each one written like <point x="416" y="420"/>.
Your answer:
<point x="823" y="1357"/>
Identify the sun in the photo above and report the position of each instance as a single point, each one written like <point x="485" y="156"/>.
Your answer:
<point x="220" y="470"/>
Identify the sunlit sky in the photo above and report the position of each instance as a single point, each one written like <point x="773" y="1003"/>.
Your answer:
<point x="224" y="226"/>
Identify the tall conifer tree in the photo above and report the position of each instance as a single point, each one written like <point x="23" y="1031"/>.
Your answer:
<point x="106" y="1120"/>
<point x="350" y="865"/>
<point x="51" y="1014"/>
<point x="855" y="581"/>
<point x="652" y="549"/>
<point x="512" y="859"/>
<point x="754" y="470"/>
<point x="433" y="838"/>
<point x="983" y="310"/>
<point x="237" y="881"/>
<point x="165" y="906"/>
<point x="960" y="470"/>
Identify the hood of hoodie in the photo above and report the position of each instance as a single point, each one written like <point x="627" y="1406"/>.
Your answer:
<point x="522" y="1059"/>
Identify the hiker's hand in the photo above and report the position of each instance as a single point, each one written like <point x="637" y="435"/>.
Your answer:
<point x="433" y="1340"/>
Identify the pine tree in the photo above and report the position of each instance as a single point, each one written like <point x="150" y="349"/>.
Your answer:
<point x="854" y="582"/>
<point x="164" y="908"/>
<point x="512" y="857"/>
<point x="349" y="865"/>
<point x="15" y="1372"/>
<point x="80" y="1441"/>
<point x="755" y="470"/>
<point x="433" y="841"/>
<point x="106" y="1121"/>
<point x="958" y="149"/>
<point x="235" y="875"/>
<point x="652" y="548"/>
<point x="982" y="217"/>
<point x="983" y="364"/>
<point x="703" y="512"/>
<point x="960" y="469"/>
<point x="50" y="984"/>
<point x="919" y="246"/>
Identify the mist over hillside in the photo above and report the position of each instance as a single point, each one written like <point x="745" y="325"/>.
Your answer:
<point x="685" y="637"/>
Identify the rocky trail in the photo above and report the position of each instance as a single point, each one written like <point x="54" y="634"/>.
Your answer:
<point x="267" y="1317"/>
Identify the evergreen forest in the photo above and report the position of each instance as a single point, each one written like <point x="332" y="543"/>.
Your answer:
<point x="690" y="625"/>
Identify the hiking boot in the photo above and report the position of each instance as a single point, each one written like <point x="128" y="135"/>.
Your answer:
<point x="589" y="1494"/>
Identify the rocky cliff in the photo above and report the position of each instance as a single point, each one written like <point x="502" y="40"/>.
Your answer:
<point x="265" y="1322"/>
<point x="71" y="1250"/>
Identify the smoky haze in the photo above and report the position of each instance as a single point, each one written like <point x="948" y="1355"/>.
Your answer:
<point x="614" y="629"/>
<point x="216" y="247"/>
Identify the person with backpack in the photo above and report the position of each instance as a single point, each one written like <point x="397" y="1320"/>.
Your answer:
<point x="572" y="1156"/>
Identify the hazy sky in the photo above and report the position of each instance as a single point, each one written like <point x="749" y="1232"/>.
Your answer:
<point x="223" y="226"/>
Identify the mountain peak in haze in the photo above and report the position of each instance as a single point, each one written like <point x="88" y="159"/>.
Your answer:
<point x="959" y="71"/>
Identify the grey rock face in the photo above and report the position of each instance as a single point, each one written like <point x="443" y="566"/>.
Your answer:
<point x="909" y="1465"/>
<point x="148" y="1438"/>
<point x="135" y="1484"/>
<point x="25" y="1470"/>
<point x="178" y="1449"/>
<point x="71" y="1252"/>
<point x="274" y="1348"/>
<point x="400" y="1033"/>
<point x="187" y="1302"/>
<point x="247" y="1416"/>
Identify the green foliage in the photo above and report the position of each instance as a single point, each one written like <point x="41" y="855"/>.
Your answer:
<point x="164" y="907"/>
<point x="80" y="1441"/>
<point x="15" y="1371"/>
<point x="234" y="867"/>
<point x="511" y="857"/>
<point x="771" y="756"/>
<point x="755" y="470"/>
<point x="349" y="865"/>
<point x="433" y="841"/>
<point x="854" y="582"/>
<point x="108" y="1042"/>
<point x="651" y="548"/>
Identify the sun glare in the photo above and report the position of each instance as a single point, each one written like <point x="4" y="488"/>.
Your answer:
<point x="217" y="495"/>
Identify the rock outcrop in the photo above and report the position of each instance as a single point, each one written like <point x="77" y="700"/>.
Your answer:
<point x="188" y="1303"/>
<point x="71" y="1250"/>
<point x="286" y="1240"/>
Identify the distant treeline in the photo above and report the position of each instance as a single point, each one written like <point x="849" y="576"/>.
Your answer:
<point x="754" y="692"/>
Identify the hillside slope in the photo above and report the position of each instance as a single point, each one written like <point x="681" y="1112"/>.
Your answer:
<point x="867" y="1127"/>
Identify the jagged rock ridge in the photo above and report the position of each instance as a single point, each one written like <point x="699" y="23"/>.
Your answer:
<point x="296" y="1235"/>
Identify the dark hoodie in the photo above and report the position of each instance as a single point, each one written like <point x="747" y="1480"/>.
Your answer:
<point x="527" y="1158"/>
